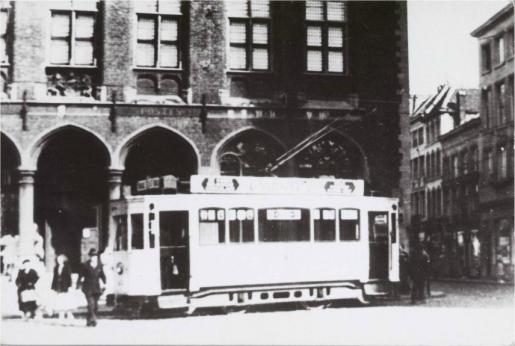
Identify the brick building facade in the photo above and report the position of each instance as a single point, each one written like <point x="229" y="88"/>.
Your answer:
<point x="97" y="95"/>
<point x="445" y="176"/>
<point x="496" y="208"/>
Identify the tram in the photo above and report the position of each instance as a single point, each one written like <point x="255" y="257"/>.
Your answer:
<point x="242" y="241"/>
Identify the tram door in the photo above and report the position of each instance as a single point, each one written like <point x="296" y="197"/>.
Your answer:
<point x="379" y="249"/>
<point x="174" y="255"/>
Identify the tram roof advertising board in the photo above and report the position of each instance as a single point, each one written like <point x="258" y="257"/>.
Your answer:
<point x="274" y="185"/>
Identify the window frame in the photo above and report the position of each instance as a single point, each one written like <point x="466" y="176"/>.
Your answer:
<point x="241" y="233"/>
<point x="221" y="240"/>
<point x="321" y="210"/>
<point x="249" y="45"/>
<point x="158" y="16"/>
<point x="340" y="234"/>
<point x="324" y="48"/>
<point x="5" y="36"/>
<point x="261" y="235"/>
<point x="71" y="39"/>
<point x="486" y="58"/>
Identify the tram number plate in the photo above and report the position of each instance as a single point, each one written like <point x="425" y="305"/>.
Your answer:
<point x="283" y="214"/>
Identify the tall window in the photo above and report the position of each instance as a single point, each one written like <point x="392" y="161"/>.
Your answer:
<point x="137" y="231"/>
<point x="486" y="58"/>
<point x="325" y="36"/>
<point x="489" y="162"/>
<point x="4" y="19"/>
<point x="249" y="36"/>
<point x="502" y="162"/>
<point x="487" y="99"/>
<point x="158" y="33"/>
<point x="499" y="50"/>
<point x="509" y="43"/>
<point x="501" y="100"/>
<point x="72" y="34"/>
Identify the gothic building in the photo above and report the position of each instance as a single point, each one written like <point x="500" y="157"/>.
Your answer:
<point x="98" y="95"/>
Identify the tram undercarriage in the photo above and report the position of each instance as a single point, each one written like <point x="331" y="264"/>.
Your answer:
<point x="317" y="295"/>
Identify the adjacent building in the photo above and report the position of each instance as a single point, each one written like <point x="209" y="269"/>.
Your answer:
<point x="444" y="131"/>
<point x="98" y="95"/>
<point x="496" y="207"/>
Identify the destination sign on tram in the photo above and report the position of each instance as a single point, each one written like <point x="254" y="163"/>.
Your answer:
<point x="274" y="185"/>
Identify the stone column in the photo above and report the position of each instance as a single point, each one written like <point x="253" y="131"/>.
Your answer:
<point x="26" y="212"/>
<point x="114" y="181"/>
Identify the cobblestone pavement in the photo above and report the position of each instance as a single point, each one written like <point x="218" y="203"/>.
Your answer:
<point x="465" y="314"/>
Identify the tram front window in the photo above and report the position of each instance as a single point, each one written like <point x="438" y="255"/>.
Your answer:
<point x="349" y="224"/>
<point x="211" y="226"/>
<point x="324" y="221"/>
<point x="137" y="231"/>
<point x="241" y="225"/>
<point x="283" y="224"/>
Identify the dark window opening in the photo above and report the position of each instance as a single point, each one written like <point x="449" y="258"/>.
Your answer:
<point x="283" y="224"/>
<point x="349" y="224"/>
<point x="324" y="222"/>
<point x="137" y="231"/>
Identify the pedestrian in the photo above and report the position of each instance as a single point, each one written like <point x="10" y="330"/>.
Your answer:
<point x="499" y="268"/>
<point x="419" y="264"/>
<point x="92" y="279"/>
<point x="61" y="283"/>
<point x="26" y="282"/>
<point x="403" y="271"/>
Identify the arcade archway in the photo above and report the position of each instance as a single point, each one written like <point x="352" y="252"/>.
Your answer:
<point x="9" y="186"/>
<point x="249" y="152"/>
<point x="71" y="189"/>
<point x="333" y="155"/>
<point x="157" y="152"/>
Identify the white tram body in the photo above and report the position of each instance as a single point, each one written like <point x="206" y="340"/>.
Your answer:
<point x="244" y="248"/>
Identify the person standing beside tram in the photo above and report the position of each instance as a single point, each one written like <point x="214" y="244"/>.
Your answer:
<point x="92" y="279"/>
<point x="419" y="272"/>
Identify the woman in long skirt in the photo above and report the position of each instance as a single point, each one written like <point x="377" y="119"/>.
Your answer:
<point x="61" y="283"/>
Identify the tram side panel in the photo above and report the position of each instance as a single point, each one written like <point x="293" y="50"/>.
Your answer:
<point x="267" y="263"/>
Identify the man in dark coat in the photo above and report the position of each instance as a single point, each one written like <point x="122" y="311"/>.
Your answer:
<point x="419" y="271"/>
<point x="92" y="279"/>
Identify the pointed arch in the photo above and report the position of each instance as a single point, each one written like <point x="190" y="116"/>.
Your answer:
<point x="217" y="150"/>
<point x="122" y="150"/>
<point x="15" y="145"/>
<point x="39" y="143"/>
<point x="366" y="169"/>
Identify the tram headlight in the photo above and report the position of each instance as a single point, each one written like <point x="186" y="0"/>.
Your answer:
<point x="119" y="268"/>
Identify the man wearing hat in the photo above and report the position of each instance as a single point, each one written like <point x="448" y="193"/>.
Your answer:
<point x="92" y="279"/>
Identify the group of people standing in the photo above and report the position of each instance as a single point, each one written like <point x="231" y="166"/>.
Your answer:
<point x="91" y="279"/>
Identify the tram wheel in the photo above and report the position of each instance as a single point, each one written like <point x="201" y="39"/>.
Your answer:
<point x="315" y="305"/>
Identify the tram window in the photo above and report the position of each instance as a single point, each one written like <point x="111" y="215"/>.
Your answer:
<point x="173" y="226"/>
<point x="283" y="224"/>
<point x="324" y="221"/>
<point x="241" y="225"/>
<point x="394" y="228"/>
<point x="137" y="231"/>
<point x="121" y="232"/>
<point x="378" y="226"/>
<point x="211" y="226"/>
<point x="349" y="224"/>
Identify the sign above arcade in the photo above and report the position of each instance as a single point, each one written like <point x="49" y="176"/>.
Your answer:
<point x="274" y="185"/>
